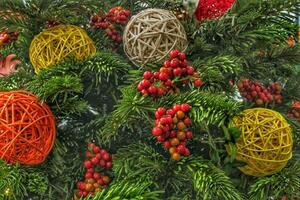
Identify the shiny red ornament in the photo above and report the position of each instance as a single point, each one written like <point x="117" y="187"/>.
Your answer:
<point x="211" y="9"/>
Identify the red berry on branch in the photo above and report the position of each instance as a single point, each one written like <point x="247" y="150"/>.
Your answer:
<point x="88" y="164"/>
<point x="156" y="131"/>
<point x="147" y="75"/>
<point x="174" y="53"/>
<point x="198" y="82"/>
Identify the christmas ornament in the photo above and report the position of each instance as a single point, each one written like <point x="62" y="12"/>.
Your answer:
<point x="151" y="35"/>
<point x="254" y="91"/>
<point x="181" y="13"/>
<point x="57" y="43"/>
<point x="175" y="72"/>
<point x="97" y="164"/>
<point x="27" y="128"/>
<point x="208" y="9"/>
<point x="171" y="128"/>
<point x="108" y="22"/>
<point x="265" y="143"/>
<point x="8" y="65"/>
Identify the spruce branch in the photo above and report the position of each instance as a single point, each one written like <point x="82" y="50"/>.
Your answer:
<point x="130" y="109"/>
<point x="209" y="181"/>
<point x="286" y="182"/>
<point x="11" y="182"/>
<point x="128" y="190"/>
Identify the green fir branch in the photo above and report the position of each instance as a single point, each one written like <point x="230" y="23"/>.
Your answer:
<point x="209" y="181"/>
<point x="286" y="182"/>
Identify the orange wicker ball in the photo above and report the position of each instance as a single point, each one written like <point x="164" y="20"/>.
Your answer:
<point x="27" y="128"/>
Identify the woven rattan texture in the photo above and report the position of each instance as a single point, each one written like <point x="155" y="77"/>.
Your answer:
<point x="56" y="43"/>
<point x="265" y="143"/>
<point x="27" y="128"/>
<point x="151" y="35"/>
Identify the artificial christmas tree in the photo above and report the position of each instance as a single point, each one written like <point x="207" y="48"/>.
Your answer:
<point x="166" y="103"/>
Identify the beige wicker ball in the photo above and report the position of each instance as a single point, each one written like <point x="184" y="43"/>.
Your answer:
<point x="151" y="35"/>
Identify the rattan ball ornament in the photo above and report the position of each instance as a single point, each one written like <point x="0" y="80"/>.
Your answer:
<point x="57" y="43"/>
<point x="265" y="143"/>
<point x="151" y="34"/>
<point x="27" y="128"/>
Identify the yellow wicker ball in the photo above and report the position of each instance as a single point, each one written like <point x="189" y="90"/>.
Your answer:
<point x="54" y="44"/>
<point x="151" y="34"/>
<point x="265" y="143"/>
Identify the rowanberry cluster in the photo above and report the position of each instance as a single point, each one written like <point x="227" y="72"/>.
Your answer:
<point x="175" y="72"/>
<point x="171" y="128"/>
<point x="254" y="91"/>
<point x="295" y="111"/>
<point x="116" y="15"/>
<point x="8" y="37"/>
<point x="98" y="162"/>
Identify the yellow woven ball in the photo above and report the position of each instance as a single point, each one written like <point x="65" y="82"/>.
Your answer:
<point x="265" y="143"/>
<point x="56" y="43"/>
<point x="151" y="34"/>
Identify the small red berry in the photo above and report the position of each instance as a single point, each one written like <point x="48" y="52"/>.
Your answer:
<point x="108" y="165"/>
<point x="88" y="164"/>
<point x="170" y="112"/>
<point x="145" y="83"/>
<point x="174" y="63"/>
<point x="182" y="56"/>
<point x="163" y="76"/>
<point x="177" y="71"/>
<point x="95" y="160"/>
<point x="174" y="53"/>
<point x="177" y="108"/>
<point x="167" y="64"/>
<point x="160" y="138"/>
<point x="185" y="107"/>
<point x="180" y="149"/>
<point x="198" y="82"/>
<point x="190" y="70"/>
<point x="161" y="111"/>
<point x="167" y="144"/>
<point x="102" y="163"/>
<point x="189" y="135"/>
<point x="147" y="75"/>
<point x="97" y="149"/>
<point x="106" y="157"/>
<point x="96" y="176"/>
<point x="156" y="131"/>
<point x="187" y="121"/>
<point x="88" y="175"/>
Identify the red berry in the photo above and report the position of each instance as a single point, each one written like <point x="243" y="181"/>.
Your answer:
<point x="180" y="149"/>
<point x="95" y="160"/>
<point x="189" y="135"/>
<point x="160" y="138"/>
<point x="102" y="163"/>
<point x="97" y="149"/>
<point x="84" y="193"/>
<point x="90" y="170"/>
<point x="145" y="83"/>
<point x="88" y="164"/>
<point x="177" y="71"/>
<point x="187" y="152"/>
<point x="170" y="112"/>
<point x="174" y="63"/>
<point x="106" y="157"/>
<point x="185" y="107"/>
<point x="96" y="176"/>
<point x="167" y="64"/>
<point x="187" y="121"/>
<point x="102" y="152"/>
<point x="88" y="175"/>
<point x="167" y="144"/>
<point x="174" y="53"/>
<point x="80" y="185"/>
<point x="198" y="82"/>
<point x="152" y="90"/>
<point x="177" y="108"/>
<point x="156" y="75"/>
<point x="160" y="91"/>
<point x="182" y="56"/>
<point x="190" y="70"/>
<point x="147" y="75"/>
<point x="254" y="93"/>
<point x="164" y="121"/>
<point x="156" y="131"/>
<point x="100" y="182"/>
<point x="91" y="146"/>
<point x="108" y="165"/>
<point x="163" y="76"/>
<point x="144" y="92"/>
<point x="139" y="87"/>
<point x="168" y="83"/>
<point x="172" y="134"/>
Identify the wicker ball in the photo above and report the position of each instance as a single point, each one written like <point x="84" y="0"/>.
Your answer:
<point x="56" y="43"/>
<point x="265" y="143"/>
<point x="151" y="35"/>
<point x="27" y="128"/>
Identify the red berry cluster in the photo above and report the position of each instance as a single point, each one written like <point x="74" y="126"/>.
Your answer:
<point x="174" y="71"/>
<point x="295" y="111"/>
<point x="171" y="128"/>
<point x="98" y="161"/>
<point x="116" y="15"/>
<point x="8" y="37"/>
<point x="255" y="91"/>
